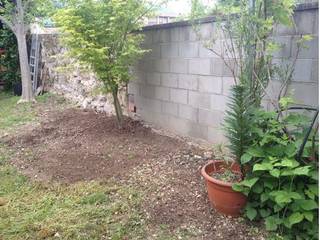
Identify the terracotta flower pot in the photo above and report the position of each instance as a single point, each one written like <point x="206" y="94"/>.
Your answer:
<point x="223" y="198"/>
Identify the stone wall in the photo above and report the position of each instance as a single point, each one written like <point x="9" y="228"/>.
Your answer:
<point x="183" y="87"/>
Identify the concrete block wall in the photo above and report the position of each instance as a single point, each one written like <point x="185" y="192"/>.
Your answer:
<point x="181" y="86"/>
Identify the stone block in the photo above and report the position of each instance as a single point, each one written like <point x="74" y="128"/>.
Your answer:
<point x="155" y="51"/>
<point x="189" y="49"/>
<point x="175" y="34"/>
<point x="305" y="93"/>
<point x="147" y="37"/>
<point x="311" y="49"/>
<point x="206" y="30"/>
<point x="169" y="50"/>
<point x="305" y="21"/>
<point x="216" y="46"/>
<point x="219" y="102"/>
<point x="188" y="34"/>
<point x="210" y="84"/>
<point x="188" y="112"/>
<point x="133" y="88"/>
<point x="199" y="100"/>
<point x="227" y="83"/>
<point x="201" y="66"/>
<point x="162" y="93"/>
<point x="179" y="65"/>
<point x="162" y="65"/>
<point x="210" y="118"/>
<point x="315" y="71"/>
<point x="216" y="135"/>
<point x="187" y="81"/>
<point x="169" y="80"/>
<point x="138" y="76"/>
<point x="303" y="70"/>
<point x="147" y="91"/>
<point x="170" y="108"/>
<point x="161" y="35"/>
<point x="153" y="78"/>
<point x="217" y="67"/>
<point x="284" y="43"/>
<point x="179" y="96"/>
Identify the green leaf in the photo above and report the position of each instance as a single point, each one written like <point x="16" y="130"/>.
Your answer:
<point x="302" y="171"/>
<point x="257" y="188"/>
<point x="290" y="163"/>
<point x="275" y="173"/>
<point x="307" y="204"/>
<point x="264" y="212"/>
<point x="262" y="167"/>
<point x="251" y="213"/>
<point x="309" y="216"/>
<point x="264" y="197"/>
<point x="249" y="182"/>
<point x="272" y="223"/>
<point x="255" y="152"/>
<point x="295" y="218"/>
<point x="245" y="158"/>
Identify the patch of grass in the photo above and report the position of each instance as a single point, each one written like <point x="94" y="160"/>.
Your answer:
<point x="89" y="210"/>
<point x="13" y="114"/>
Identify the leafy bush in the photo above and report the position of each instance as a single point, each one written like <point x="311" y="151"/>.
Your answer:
<point x="9" y="60"/>
<point x="282" y="188"/>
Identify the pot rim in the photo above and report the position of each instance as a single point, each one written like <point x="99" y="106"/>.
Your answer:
<point x="211" y="179"/>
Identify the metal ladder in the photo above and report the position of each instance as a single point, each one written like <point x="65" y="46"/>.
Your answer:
<point x="34" y="61"/>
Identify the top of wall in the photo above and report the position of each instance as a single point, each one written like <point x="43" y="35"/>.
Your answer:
<point x="300" y="7"/>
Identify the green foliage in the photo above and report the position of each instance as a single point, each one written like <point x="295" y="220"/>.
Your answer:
<point x="237" y="122"/>
<point x="9" y="60"/>
<point x="283" y="189"/>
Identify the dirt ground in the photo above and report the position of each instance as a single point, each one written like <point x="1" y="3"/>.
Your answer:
<point x="80" y="145"/>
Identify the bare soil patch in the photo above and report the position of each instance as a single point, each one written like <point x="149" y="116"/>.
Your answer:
<point x="76" y="145"/>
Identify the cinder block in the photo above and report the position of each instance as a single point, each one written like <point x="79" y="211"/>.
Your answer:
<point x="219" y="102"/>
<point x="146" y="104"/>
<point x="147" y="37"/>
<point x="187" y="81"/>
<point x="198" y="131"/>
<point x="227" y="83"/>
<point x="155" y="51"/>
<point x="133" y="88"/>
<point x="303" y="70"/>
<point x="170" y="108"/>
<point x="170" y="50"/>
<point x="315" y="71"/>
<point x="217" y="135"/>
<point x="284" y="43"/>
<point x="217" y="67"/>
<point x="199" y="100"/>
<point x="188" y="112"/>
<point x="169" y="80"/>
<point x="305" y="21"/>
<point x="161" y="36"/>
<point x="162" y="65"/>
<point x="145" y="65"/>
<point x="162" y="93"/>
<point x="175" y="34"/>
<point x="154" y="78"/>
<point x="188" y="34"/>
<point x="206" y="30"/>
<point x="147" y="91"/>
<point x="305" y="93"/>
<point x="210" y="84"/>
<point x="179" y="96"/>
<point x="216" y="46"/>
<point x="210" y="118"/>
<point x="201" y="66"/>
<point x="179" y="65"/>
<point x="138" y="76"/>
<point x="311" y="49"/>
<point x="230" y="68"/>
<point x="189" y="49"/>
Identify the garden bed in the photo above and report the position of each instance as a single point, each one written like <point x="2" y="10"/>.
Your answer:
<point x="71" y="146"/>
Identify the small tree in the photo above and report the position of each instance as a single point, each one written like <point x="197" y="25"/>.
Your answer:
<point x="101" y="34"/>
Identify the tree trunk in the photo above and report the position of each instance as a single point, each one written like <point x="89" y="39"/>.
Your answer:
<point x="117" y="107"/>
<point x="27" y="93"/>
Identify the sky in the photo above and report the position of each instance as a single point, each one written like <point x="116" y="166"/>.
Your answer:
<point x="182" y="6"/>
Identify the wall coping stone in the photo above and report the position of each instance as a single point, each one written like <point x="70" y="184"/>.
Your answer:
<point x="210" y="19"/>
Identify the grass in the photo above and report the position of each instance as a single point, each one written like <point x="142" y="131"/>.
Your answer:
<point x="85" y="210"/>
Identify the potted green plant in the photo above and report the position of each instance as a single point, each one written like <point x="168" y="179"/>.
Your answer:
<point x="221" y="175"/>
